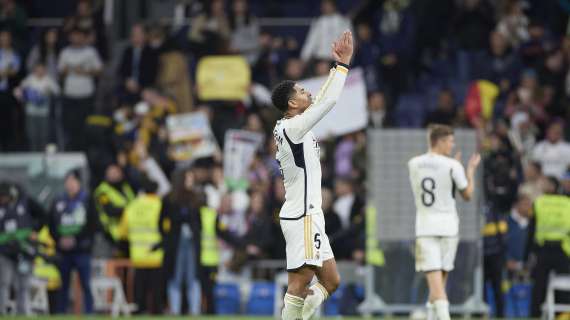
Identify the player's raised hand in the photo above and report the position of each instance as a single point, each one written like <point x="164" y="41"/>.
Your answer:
<point x="473" y="162"/>
<point x="343" y="48"/>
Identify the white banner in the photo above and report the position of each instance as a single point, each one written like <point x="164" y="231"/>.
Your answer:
<point x="350" y="113"/>
<point x="239" y="149"/>
<point x="190" y="136"/>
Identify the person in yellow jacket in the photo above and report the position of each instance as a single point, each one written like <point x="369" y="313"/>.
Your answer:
<point x="111" y="198"/>
<point x="47" y="270"/>
<point x="549" y="241"/>
<point x="140" y="226"/>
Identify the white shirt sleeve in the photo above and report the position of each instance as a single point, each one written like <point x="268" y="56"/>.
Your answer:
<point x="458" y="175"/>
<point x="299" y="125"/>
<point x="96" y="63"/>
<point x="62" y="61"/>
<point x="53" y="86"/>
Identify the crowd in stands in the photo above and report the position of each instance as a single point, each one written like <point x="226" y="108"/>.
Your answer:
<point x="499" y="67"/>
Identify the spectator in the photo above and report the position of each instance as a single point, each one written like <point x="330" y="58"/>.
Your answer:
<point x="14" y="19"/>
<point x="548" y="241"/>
<point x="46" y="53"/>
<point x="173" y="77"/>
<point x="19" y="223"/>
<point x="533" y="183"/>
<point x="553" y="153"/>
<point x="350" y="209"/>
<point x="367" y="55"/>
<point x="245" y="31"/>
<point x="138" y="66"/>
<point x="79" y="64"/>
<point x="377" y="110"/>
<point x="332" y="221"/>
<point x="343" y="156"/>
<point x="140" y="226"/>
<point x="513" y="25"/>
<point x="533" y="50"/>
<point x="323" y="31"/>
<point x="294" y="69"/>
<point x="500" y="64"/>
<point x="86" y="18"/>
<point x="72" y="225"/>
<point x="10" y="64"/>
<point x="517" y="235"/>
<point x="182" y="241"/>
<point x="210" y="33"/>
<point x="472" y="26"/>
<point x="111" y="198"/>
<point x="494" y="248"/>
<point x="552" y="75"/>
<point x="445" y="111"/>
<point x="37" y="92"/>
<point x="500" y="176"/>
<point x="258" y="238"/>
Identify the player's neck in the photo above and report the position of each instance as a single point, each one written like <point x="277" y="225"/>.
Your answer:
<point x="437" y="152"/>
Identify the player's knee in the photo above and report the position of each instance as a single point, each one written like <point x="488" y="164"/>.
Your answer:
<point x="332" y="283"/>
<point x="297" y="289"/>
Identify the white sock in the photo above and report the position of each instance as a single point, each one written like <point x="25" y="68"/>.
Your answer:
<point x="442" y="309"/>
<point x="430" y="311"/>
<point x="314" y="300"/>
<point x="293" y="307"/>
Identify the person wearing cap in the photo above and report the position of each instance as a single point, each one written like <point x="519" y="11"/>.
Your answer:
<point x="548" y="240"/>
<point x="72" y="225"/>
<point x="20" y="219"/>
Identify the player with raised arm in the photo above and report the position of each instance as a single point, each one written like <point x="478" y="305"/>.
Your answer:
<point x="302" y="222"/>
<point x="435" y="177"/>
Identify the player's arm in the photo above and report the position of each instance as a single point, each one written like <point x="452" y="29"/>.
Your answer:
<point x="467" y="192"/>
<point x="329" y="93"/>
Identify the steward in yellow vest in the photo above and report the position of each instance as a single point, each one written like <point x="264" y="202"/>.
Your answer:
<point x="111" y="198"/>
<point x="140" y="226"/>
<point x="549" y="237"/>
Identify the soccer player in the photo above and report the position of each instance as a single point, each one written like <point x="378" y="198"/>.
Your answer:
<point x="302" y="222"/>
<point x="435" y="177"/>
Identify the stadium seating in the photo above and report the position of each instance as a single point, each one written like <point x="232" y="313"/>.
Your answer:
<point x="227" y="296"/>
<point x="261" y="299"/>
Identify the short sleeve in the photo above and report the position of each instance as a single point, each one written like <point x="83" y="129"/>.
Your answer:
<point x="458" y="176"/>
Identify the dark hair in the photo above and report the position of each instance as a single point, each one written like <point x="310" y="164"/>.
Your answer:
<point x="43" y="45"/>
<point x="281" y="95"/>
<point x="180" y="195"/>
<point x="438" y="131"/>
<point x="148" y="185"/>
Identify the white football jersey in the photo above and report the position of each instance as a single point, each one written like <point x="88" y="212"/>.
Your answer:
<point x="435" y="179"/>
<point x="298" y="151"/>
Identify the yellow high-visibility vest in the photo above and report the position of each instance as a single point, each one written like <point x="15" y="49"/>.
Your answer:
<point x="43" y="269"/>
<point x="209" y="255"/>
<point x="140" y="224"/>
<point x="552" y="215"/>
<point x="106" y="193"/>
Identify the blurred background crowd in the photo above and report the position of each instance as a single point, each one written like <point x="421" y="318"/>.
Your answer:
<point x="499" y="67"/>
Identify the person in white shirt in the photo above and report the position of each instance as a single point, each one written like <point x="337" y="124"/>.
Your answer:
<point x="307" y="246"/>
<point x="323" y="32"/>
<point x="79" y="64"/>
<point x="435" y="177"/>
<point x="37" y="91"/>
<point x="553" y="153"/>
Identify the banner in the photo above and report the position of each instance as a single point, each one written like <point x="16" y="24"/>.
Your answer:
<point x="350" y="113"/>
<point x="223" y="78"/>
<point x="190" y="136"/>
<point x="239" y="150"/>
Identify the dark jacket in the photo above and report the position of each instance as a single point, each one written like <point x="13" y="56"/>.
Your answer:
<point x="75" y="218"/>
<point x="178" y="215"/>
<point x="148" y="66"/>
<point x="17" y="221"/>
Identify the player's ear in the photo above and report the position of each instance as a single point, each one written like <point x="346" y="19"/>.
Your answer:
<point x="293" y="103"/>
